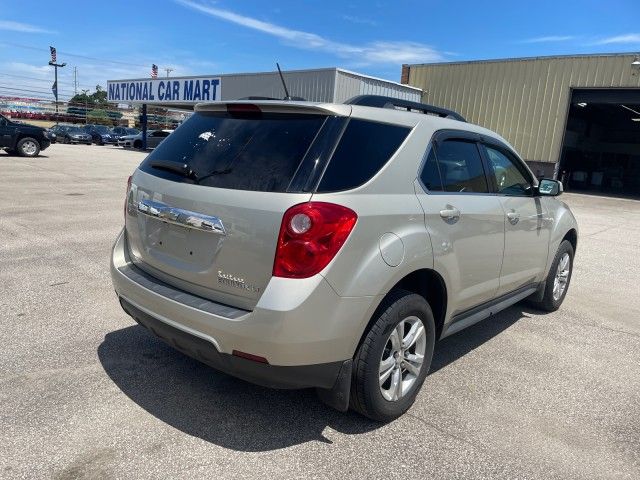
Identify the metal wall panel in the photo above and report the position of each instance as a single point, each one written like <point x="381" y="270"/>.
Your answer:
<point x="349" y="84"/>
<point x="312" y="85"/>
<point x="321" y="85"/>
<point x="524" y="100"/>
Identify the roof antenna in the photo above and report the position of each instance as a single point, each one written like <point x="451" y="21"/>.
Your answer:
<point x="286" y="90"/>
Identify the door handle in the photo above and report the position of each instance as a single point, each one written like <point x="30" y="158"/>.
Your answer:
<point x="450" y="213"/>
<point x="513" y="217"/>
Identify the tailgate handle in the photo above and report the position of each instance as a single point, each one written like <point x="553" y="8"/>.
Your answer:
<point x="182" y="218"/>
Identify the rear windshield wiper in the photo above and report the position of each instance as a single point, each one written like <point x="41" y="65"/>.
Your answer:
<point x="174" y="167"/>
<point x="184" y="170"/>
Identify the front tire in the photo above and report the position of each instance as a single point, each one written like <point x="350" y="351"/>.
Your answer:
<point x="137" y="144"/>
<point x="28" y="147"/>
<point x="394" y="358"/>
<point x="558" y="279"/>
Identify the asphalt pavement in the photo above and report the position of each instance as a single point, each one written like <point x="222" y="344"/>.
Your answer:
<point x="86" y="393"/>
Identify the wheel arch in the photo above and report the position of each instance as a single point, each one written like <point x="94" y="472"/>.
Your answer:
<point x="572" y="237"/>
<point x="425" y="282"/>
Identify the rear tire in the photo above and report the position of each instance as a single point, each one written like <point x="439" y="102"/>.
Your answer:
<point x="28" y="147"/>
<point x="558" y="279"/>
<point x="387" y="369"/>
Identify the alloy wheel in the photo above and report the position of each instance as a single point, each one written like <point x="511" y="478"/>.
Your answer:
<point x="562" y="276"/>
<point x="402" y="358"/>
<point x="29" y="147"/>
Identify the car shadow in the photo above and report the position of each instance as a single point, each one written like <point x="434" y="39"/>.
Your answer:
<point x="13" y="155"/>
<point x="229" y="412"/>
<point x="213" y="406"/>
<point x="459" y="344"/>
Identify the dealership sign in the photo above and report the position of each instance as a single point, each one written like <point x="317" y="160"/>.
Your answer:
<point x="168" y="90"/>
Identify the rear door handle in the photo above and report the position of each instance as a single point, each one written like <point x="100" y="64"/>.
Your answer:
<point x="513" y="217"/>
<point x="450" y="213"/>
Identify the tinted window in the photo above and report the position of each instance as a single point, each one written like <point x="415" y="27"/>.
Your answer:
<point x="461" y="167"/>
<point x="431" y="174"/>
<point x="365" y="147"/>
<point x="509" y="179"/>
<point x="259" y="153"/>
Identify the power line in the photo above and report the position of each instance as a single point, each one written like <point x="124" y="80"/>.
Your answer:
<point x="35" y="79"/>
<point x="68" y="54"/>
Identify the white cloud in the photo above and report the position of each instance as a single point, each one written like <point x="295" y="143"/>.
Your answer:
<point x="630" y="38"/>
<point x="22" y="27"/>
<point x="373" y="52"/>
<point x="549" y="39"/>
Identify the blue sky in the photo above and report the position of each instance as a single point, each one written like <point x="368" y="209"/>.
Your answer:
<point x="120" y="39"/>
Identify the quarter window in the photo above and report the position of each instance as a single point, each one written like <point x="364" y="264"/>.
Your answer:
<point x="365" y="147"/>
<point x="509" y="179"/>
<point x="431" y="174"/>
<point x="460" y="167"/>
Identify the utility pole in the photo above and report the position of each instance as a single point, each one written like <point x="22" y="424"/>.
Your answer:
<point x="54" y="64"/>
<point x="75" y="81"/>
<point x="86" y="106"/>
<point x="168" y="70"/>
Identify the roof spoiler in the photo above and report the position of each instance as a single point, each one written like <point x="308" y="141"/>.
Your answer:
<point x="380" y="101"/>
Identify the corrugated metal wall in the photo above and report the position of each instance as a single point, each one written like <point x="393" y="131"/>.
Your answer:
<point x="321" y="85"/>
<point x="349" y="85"/>
<point x="313" y="85"/>
<point x="524" y="100"/>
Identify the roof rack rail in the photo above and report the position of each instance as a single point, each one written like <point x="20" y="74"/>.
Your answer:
<point x="397" y="103"/>
<point x="255" y="97"/>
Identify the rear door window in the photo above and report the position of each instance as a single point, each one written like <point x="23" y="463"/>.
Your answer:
<point x="241" y="152"/>
<point x="461" y="167"/>
<point x="365" y="147"/>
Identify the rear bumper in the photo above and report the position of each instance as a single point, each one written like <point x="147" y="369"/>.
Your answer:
<point x="272" y="376"/>
<point x="302" y="327"/>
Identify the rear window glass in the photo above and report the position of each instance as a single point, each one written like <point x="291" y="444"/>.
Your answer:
<point x="258" y="153"/>
<point x="365" y="147"/>
<point x="460" y="167"/>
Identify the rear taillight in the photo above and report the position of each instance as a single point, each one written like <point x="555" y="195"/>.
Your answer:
<point x="311" y="234"/>
<point x="126" y="197"/>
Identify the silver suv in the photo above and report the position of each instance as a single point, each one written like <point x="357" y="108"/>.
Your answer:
<point x="297" y="244"/>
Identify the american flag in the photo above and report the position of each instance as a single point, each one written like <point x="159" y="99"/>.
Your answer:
<point x="53" y="54"/>
<point x="154" y="71"/>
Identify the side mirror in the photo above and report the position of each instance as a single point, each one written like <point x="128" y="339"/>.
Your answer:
<point x="550" y="188"/>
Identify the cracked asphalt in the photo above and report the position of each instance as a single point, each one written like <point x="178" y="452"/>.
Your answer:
<point x="86" y="393"/>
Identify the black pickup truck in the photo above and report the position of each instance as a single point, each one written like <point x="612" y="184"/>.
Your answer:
<point x="21" y="139"/>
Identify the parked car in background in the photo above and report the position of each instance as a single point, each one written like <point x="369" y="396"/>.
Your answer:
<point x="100" y="134"/>
<point x="332" y="245"/>
<point x="22" y="139"/>
<point x="53" y="138"/>
<point x="121" y="131"/>
<point x="73" y="134"/>
<point x="154" y="137"/>
<point x="59" y="128"/>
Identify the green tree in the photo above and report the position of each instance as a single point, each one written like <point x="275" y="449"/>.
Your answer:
<point x="98" y="116"/>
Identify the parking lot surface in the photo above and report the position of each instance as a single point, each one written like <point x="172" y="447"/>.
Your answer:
<point x="86" y="393"/>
